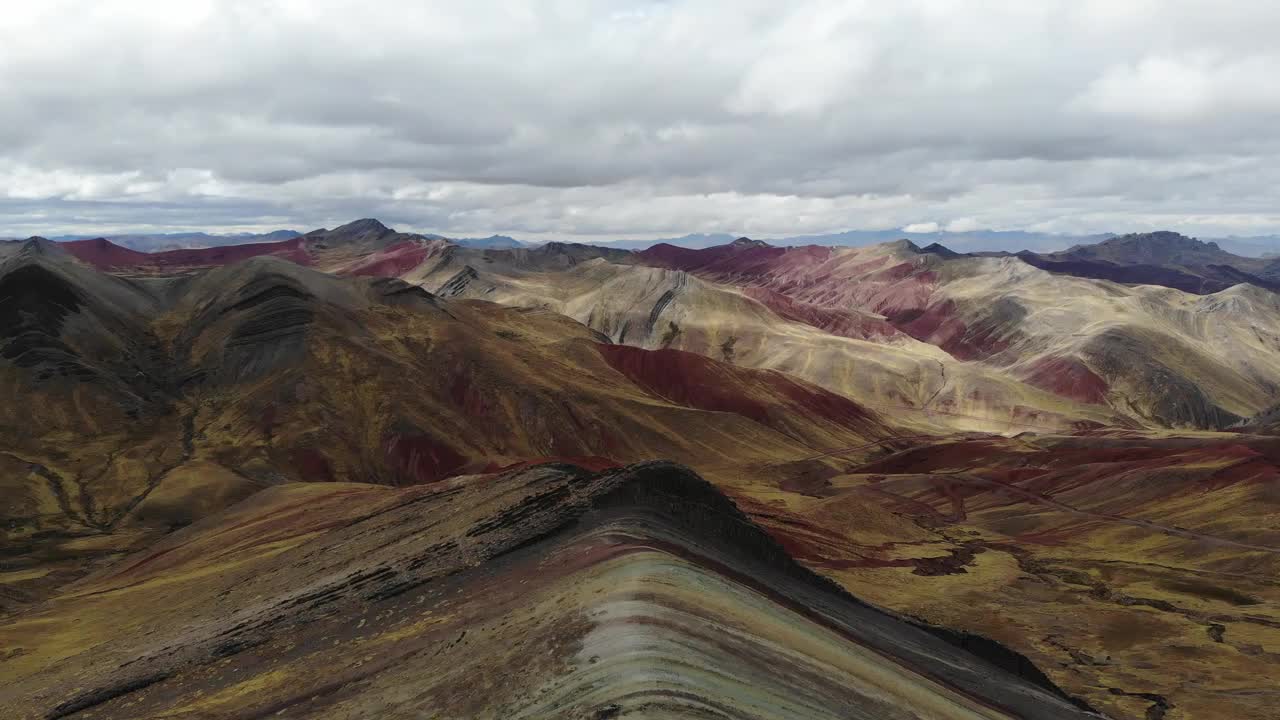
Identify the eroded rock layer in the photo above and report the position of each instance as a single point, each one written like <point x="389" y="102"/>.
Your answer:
<point x="545" y="592"/>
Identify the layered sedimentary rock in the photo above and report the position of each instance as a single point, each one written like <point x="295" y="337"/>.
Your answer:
<point x="545" y="592"/>
<point x="1187" y="360"/>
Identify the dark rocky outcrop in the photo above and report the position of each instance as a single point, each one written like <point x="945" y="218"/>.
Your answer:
<point x="1158" y="258"/>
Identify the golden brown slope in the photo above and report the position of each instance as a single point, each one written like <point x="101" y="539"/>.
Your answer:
<point x="1130" y="348"/>
<point x="1137" y="570"/>
<point x="1156" y="356"/>
<point x="265" y="372"/>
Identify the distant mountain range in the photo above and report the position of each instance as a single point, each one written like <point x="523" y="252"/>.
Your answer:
<point x="1160" y="258"/>
<point x="1009" y="241"/>
<point x="1157" y="258"/>
<point x="181" y="241"/>
<point x="695" y="240"/>
<point x="1259" y="246"/>
<point x="493" y="242"/>
<point x="978" y="240"/>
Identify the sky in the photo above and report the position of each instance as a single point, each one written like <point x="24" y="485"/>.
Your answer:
<point x="640" y="118"/>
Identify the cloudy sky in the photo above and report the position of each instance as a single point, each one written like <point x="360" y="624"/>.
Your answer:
<point x="634" y="118"/>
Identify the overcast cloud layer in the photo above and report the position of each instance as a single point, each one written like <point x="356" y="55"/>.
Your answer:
<point x="571" y="118"/>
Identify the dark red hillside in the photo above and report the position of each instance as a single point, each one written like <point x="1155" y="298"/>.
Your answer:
<point x="106" y="255"/>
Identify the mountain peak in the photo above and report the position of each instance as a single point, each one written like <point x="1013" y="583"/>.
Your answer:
<point x="1159" y="247"/>
<point x="746" y="242"/>
<point x="363" y="225"/>
<point x="1162" y="237"/>
<point x="493" y="242"/>
<point x="37" y="245"/>
<point x="940" y="249"/>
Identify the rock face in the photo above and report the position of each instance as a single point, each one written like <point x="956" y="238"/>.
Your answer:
<point x="1174" y="400"/>
<point x="636" y="592"/>
<point x="62" y="324"/>
<point x="366" y="233"/>
<point x="1266" y="422"/>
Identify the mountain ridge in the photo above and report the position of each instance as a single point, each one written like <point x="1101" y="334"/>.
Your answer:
<point x="632" y="547"/>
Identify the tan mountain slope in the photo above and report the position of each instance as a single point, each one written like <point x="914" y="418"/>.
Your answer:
<point x="1161" y="356"/>
<point x="887" y="370"/>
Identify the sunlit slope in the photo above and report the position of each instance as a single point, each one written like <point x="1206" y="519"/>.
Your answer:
<point x="883" y="368"/>
<point x="1161" y="356"/>
<point x="1164" y="355"/>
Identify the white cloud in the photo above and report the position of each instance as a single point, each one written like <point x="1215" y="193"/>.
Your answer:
<point x="1197" y="86"/>
<point x="626" y="117"/>
<point x="923" y="227"/>
<point x="1155" y="88"/>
